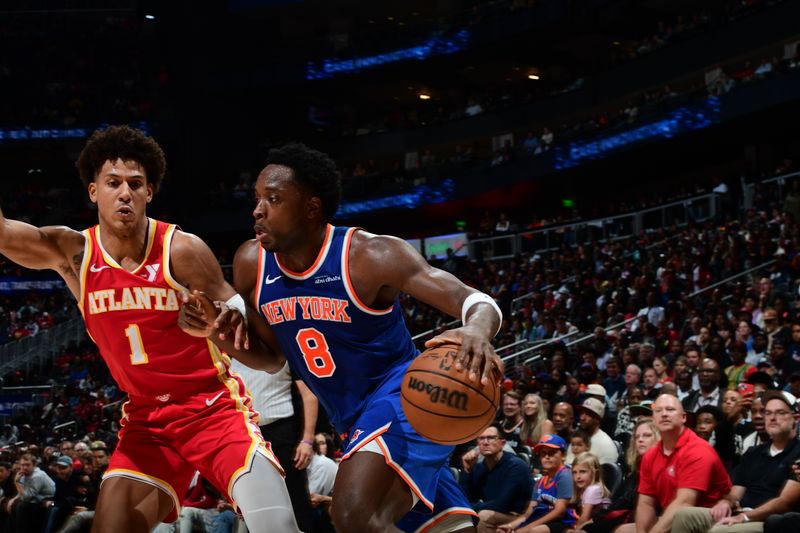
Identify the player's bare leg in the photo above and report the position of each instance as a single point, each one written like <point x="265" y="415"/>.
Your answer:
<point x="371" y="497"/>
<point x="368" y="496"/>
<point x="129" y="506"/>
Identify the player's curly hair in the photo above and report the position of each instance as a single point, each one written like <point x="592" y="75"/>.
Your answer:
<point x="314" y="170"/>
<point x="126" y="143"/>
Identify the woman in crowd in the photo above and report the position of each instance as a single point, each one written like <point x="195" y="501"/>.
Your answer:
<point x="661" y="370"/>
<point x="534" y="422"/>
<point x="511" y="424"/>
<point x="645" y="436"/>
<point x="735" y="411"/>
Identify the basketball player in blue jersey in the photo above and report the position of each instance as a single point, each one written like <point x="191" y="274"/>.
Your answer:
<point x="330" y="298"/>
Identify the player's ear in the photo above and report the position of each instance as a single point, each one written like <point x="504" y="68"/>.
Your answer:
<point x="93" y="192"/>
<point x="149" y="192"/>
<point x="314" y="206"/>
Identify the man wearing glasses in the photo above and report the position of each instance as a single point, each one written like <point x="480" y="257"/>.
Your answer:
<point x="763" y="483"/>
<point x="500" y="486"/>
<point x="709" y="394"/>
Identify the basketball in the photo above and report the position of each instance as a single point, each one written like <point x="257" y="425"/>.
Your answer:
<point x="441" y="403"/>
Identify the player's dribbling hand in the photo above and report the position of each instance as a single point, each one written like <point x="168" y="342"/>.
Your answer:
<point x="475" y="353"/>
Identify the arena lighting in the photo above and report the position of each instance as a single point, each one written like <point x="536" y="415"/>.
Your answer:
<point x="35" y="134"/>
<point x="680" y="120"/>
<point x="424" y="96"/>
<point x="435" y="45"/>
<point x="150" y="17"/>
<point x="420" y="195"/>
<point x="533" y="76"/>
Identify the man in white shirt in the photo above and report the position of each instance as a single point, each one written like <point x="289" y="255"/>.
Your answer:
<point x="591" y="413"/>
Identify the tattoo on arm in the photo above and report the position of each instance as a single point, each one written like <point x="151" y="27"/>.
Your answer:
<point x="71" y="270"/>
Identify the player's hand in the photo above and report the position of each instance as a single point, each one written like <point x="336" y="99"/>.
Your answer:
<point x="475" y="353"/>
<point x="302" y="455"/>
<point x="197" y="314"/>
<point x="202" y="317"/>
<point x="721" y="510"/>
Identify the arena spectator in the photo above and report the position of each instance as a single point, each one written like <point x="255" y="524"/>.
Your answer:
<point x="321" y="476"/>
<point x="763" y="483"/>
<point x="709" y="392"/>
<point x="591" y="413"/>
<point x="498" y="487"/>
<point x="34" y="488"/>
<point x="682" y="471"/>
<point x="563" y="420"/>
<point x="551" y="496"/>
<point x="739" y="369"/>
<point x="511" y="424"/>
<point x="535" y="422"/>
<point x="759" y="434"/>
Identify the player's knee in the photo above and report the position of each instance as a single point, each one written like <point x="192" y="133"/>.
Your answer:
<point x="272" y="520"/>
<point x="351" y="518"/>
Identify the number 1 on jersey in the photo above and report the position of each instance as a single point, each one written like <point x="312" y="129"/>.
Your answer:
<point x="316" y="353"/>
<point x="138" y="355"/>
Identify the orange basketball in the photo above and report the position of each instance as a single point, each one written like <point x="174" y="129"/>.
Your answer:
<point x="441" y="403"/>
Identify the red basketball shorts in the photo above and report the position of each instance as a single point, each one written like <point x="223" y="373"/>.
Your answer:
<point x="162" y="443"/>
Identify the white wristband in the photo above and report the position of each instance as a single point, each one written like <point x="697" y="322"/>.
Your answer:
<point x="237" y="302"/>
<point x="479" y="297"/>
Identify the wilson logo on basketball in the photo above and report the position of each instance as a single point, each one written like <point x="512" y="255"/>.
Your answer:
<point x="454" y="399"/>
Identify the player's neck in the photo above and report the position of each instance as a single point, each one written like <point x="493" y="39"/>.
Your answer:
<point x="301" y="257"/>
<point x="130" y="242"/>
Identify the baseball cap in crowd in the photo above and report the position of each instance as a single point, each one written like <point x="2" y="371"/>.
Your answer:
<point x="98" y="445"/>
<point x="593" y="406"/>
<point x="593" y="389"/>
<point x="783" y="396"/>
<point x="64" y="460"/>
<point x="550" y="441"/>
<point x="644" y="407"/>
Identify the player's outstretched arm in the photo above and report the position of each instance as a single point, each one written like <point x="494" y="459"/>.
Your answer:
<point x="213" y="309"/>
<point x="245" y="276"/>
<point x="381" y="265"/>
<point x="56" y="247"/>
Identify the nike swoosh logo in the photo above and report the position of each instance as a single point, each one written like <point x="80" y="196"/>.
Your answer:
<point x="269" y="281"/>
<point x="94" y="268"/>
<point x="210" y="401"/>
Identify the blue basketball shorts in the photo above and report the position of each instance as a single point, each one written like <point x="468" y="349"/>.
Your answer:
<point x="422" y="464"/>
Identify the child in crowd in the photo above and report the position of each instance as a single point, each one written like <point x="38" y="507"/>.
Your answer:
<point x="579" y="443"/>
<point x="590" y="497"/>
<point x="549" y="510"/>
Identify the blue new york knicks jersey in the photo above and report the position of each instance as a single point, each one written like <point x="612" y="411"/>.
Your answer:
<point x="342" y="349"/>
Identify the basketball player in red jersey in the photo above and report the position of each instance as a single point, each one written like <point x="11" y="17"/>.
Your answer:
<point x="186" y="411"/>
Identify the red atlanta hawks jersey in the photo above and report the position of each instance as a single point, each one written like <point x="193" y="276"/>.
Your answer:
<point x="133" y="319"/>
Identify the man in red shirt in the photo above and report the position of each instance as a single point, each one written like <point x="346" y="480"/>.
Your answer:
<point x="683" y="470"/>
